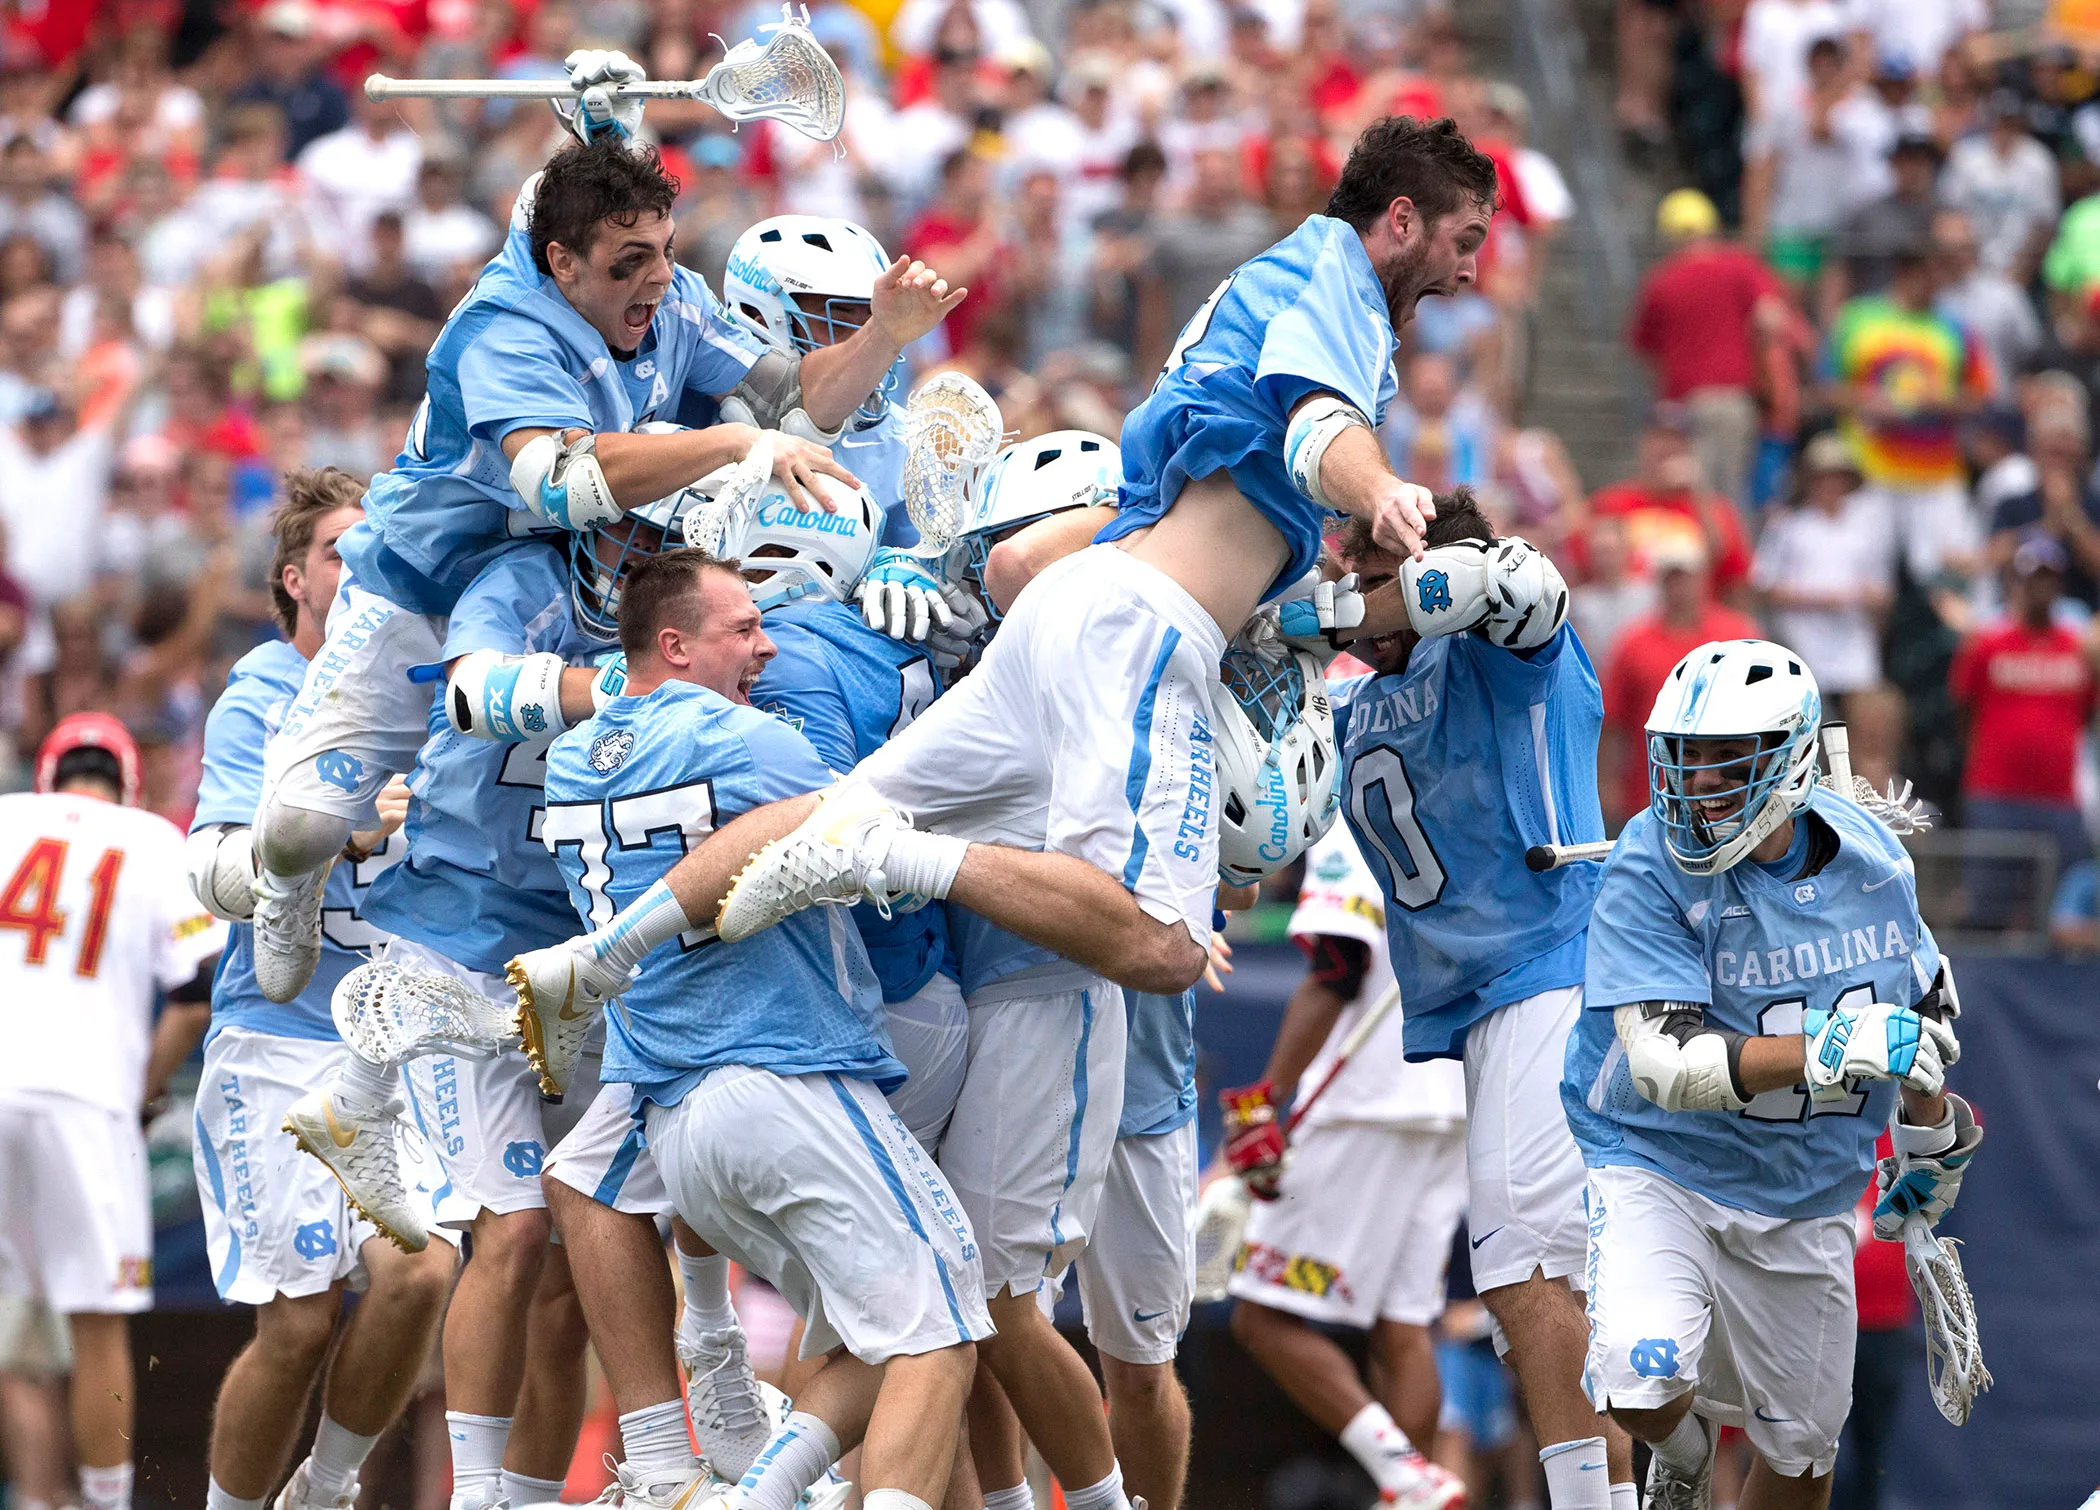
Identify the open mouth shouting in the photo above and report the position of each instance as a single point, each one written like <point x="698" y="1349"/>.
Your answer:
<point x="635" y="318"/>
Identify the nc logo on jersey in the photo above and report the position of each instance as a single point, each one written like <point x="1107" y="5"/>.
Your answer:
<point x="1805" y="892"/>
<point x="314" y="1240"/>
<point x="609" y="751"/>
<point x="645" y="369"/>
<point x="1654" y="1357"/>
<point x="340" y="770"/>
<point x="524" y="1157"/>
<point x="1434" y="589"/>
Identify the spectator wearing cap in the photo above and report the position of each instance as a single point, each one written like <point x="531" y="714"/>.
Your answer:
<point x="1889" y="109"/>
<point x="1903" y="376"/>
<point x="2005" y="182"/>
<point x="2027" y="685"/>
<point x="1217" y="228"/>
<point x="289" y="75"/>
<point x="1686" y="617"/>
<point x="1038" y="130"/>
<point x="1807" y="168"/>
<point x="1700" y="319"/>
<point x="2063" y="505"/>
<point x="1984" y="302"/>
<point x="1864" y="249"/>
<point x="1108" y="129"/>
<point x="1666" y="506"/>
<point x="1924" y="31"/>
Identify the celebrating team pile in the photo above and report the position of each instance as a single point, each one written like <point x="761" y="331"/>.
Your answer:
<point x="640" y="823"/>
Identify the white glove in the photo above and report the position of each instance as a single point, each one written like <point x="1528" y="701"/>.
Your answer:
<point x="1876" y="1041"/>
<point x="1529" y="597"/>
<point x="900" y="596"/>
<point x="1676" y="1061"/>
<point x="965" y="632"/>
<point x="1308" y="619"/>
<point x="610" y="682"/>
<point x="1446" y="592"/>
<point x="1925" y="1177"/>
<point x="599" y="109"/>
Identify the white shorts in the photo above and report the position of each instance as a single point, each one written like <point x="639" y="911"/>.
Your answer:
<point x="1087" y="728"/>
<point x="483" y="1116"/>
<point x="1362" y="1230"/>
<point x="1524" y="1173"/>
<point x="930" y="1031"/>
<point x="76" y="1217"/>
<point x="815" y="1185"/>
<point x="1752" y="1314"/>
<point x="275" y="1221"/>
<point x="1028" y="1148"/>
<point x="606" y="1156"/>
<point x="1137" y="1277"/>
<point x="358" y="718"/>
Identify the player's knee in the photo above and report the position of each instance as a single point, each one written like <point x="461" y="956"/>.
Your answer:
<point x="1137" y="1386"/>
<point x="298" y="1329"/>
<point x="292" y="841"/>
<point x="1255" y="1325"/>
<point x="417" y="1283"/>
<point x="515" y="1241"/>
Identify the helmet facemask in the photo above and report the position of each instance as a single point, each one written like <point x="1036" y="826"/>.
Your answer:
<point x="599" y="561"/>
<point x="1757" y="790"/>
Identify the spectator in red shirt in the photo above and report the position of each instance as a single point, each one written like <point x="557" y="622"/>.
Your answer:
<point x="959" y="235"/>
<point x="1686" y="618"/>
<point x="2027" y="683"/>
<point x="1700" y="321"/>
<point x="1666" y="505"/>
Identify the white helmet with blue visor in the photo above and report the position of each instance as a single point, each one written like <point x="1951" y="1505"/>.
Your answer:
<point x="600" y="559"/>
<point x="807" y="282"/>
<point x="788" y="553"/>
<point x="1277" y="770"/>
<point x="1731" y="750"/>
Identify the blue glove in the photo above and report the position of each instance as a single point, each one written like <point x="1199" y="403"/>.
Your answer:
<point x="610" y="682"/>
<point x="900" y="596"/>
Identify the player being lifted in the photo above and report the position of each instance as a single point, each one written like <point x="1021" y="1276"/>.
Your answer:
<point x="1760" y="986"/>
<point x="580" y="329"/>
<point x="1260" y="427"/>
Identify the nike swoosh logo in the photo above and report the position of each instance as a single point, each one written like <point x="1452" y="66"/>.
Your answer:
<point x="1592" y="1467"/>
<point x="565" y="1014"/>
<point x="1484" y="1237"/>
<point x="1137" y="1315"/>
<point x="1759" y="1412"/>
<point x="1877" y="885"/>
<point x="336" y="1134"/>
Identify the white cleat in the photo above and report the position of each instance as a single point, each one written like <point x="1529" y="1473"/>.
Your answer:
<point x="833" y="856"/>
<point x="1670" y="1489"/>
<point x="723" y="1399"/>
<point x="298" y="1494"/>
<point x="1426" y="1486"/>
<point x="690" y="1488"/>
<point x="354" y="1137"/>
<point x="288" y="933"/>
<point x="471" y="1502"/>
<point x="560" y="992"/>
<point x="831" y="1493"/>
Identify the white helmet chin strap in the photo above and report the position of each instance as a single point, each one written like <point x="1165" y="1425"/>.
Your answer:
<point x="1779" y="805"/>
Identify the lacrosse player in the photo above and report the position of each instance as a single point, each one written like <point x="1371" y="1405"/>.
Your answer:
<point x="1356" y="1230"/>
<point x="1260" y="427"/>
<point x="1759" y="986"/>
<point x="765" y="1121"/>
<point x="94" y="919"/>
<point x="537" y="384"/>
<point x="280" y="1230"/>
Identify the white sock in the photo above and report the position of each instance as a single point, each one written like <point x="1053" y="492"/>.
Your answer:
<point x="1686" y="1448"/>
<point x="1020" y="1497"/>
<point x="892" y="1499"/>
<point x="651" y="919"/>
<point x="795" y="1459"/>
<point x="477" y="1456"/>
<point x="521" y="1489"/>
<point x="1576" y="1475"/>
<point x="1376" y="1441"/>
<point x="1106" y="1495"/>
<point x="922" y="863"/>
<point x="707" y="1307"/>
<point x="655" y="1438"/>
<point x="1625" y="1497"/>
<point x="361" y="1077"/>
<point x="106" y="1488"/>
<point x="338" y="1453"/>
<point x="217" y="1498"/>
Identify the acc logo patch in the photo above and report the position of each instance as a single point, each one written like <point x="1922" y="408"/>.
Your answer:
<point x="1434" y="590"/>
<point x="1654" y="1357"/>
<point x="609" y="751"/>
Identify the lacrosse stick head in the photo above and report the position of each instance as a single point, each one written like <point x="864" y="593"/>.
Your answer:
<point x="390" y="1014"/>
<point x="1215" y="1228"/>
<point x="726" y="495"/>
<point x="788" y="78"/>
<point x="1953" y="1350"/>
<point x="952" y="430"/>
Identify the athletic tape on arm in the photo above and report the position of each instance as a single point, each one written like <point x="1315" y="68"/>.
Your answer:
<point x="1312" y="430"/>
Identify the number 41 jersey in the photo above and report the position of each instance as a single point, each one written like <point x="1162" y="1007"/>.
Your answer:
<point x="1451" y="771"/>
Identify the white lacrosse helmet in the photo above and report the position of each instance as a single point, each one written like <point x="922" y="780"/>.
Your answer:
<point x="808" y="281"/>
<point x="1277" y="770"/>
<point x="1732" y="689"/>
<point x="1066" y="469"/>
<point x="600" y="559"/>
<point x="789" y="553"/>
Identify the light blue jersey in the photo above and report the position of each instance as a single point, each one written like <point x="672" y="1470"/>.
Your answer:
<point x="1308" y="315"/>
<point x="850" y="689"/>
<point x="478" y="885"/>
<point x="1159" y="1066"/>
<point x="628" y="792"/>
<point x="1756" y="945"/>
<point x="1451" y="771"/>
<point x="515" y="356"/>
<point x="260" y="687"/>
<point x="876" y="456"/>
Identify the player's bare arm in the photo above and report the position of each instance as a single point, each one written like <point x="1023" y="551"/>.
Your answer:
<point x="1352" y="475"/>
<point x="910" y="300"/>
<point x="1015" y="561"/>
<point x="639" y="468"/>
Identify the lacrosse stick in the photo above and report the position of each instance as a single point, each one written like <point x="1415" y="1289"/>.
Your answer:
<point x="789" y="78"/>
<point x="390" y="1015"/>
<point x="1895" y="808"/>
<point x="1545" y="857"/>
<point x="1220" y="1217"/>
<point x="952" y="430"/>
<point x="735" y="489"/>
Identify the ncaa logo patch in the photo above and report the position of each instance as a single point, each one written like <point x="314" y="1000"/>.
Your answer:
<point x="1434" y="590"/>
<point x="609" y="751"/>
<point x="1654" y="1357"/>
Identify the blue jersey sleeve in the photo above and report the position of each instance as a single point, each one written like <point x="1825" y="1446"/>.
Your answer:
<point x="512" y="594"/>
<point x="513" y="378"/>
<point x="801" y="687"/>
<point x="724" y="346"/>
<point x="1327" y="340"/>
<point x="234" y="736"/>
<point x="1642" y="948"/>
<point x="783" y="763"/>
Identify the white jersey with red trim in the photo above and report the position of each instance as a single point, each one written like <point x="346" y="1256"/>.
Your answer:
<point x="1340" y="898"/>
<point x="95" y="913"/>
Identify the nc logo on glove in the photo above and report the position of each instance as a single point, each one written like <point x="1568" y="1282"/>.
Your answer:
<point x="1434" y="590"/>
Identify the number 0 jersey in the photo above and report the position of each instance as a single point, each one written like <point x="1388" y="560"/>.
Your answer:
<point x="95" y="915"/>
<point x="1451" y="771"/>
<point x="1308" y="315"/>
<point x="1756" y="949"/>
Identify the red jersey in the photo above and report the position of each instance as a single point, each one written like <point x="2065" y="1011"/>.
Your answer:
<point x="1653" y="520"/>
<point x="1880" y="1282"/>
<point x="2029" y="693"/>
<point x="937" y="229"/>
<point x="1647" y="650"/>
<point x="1691" y="319"/>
